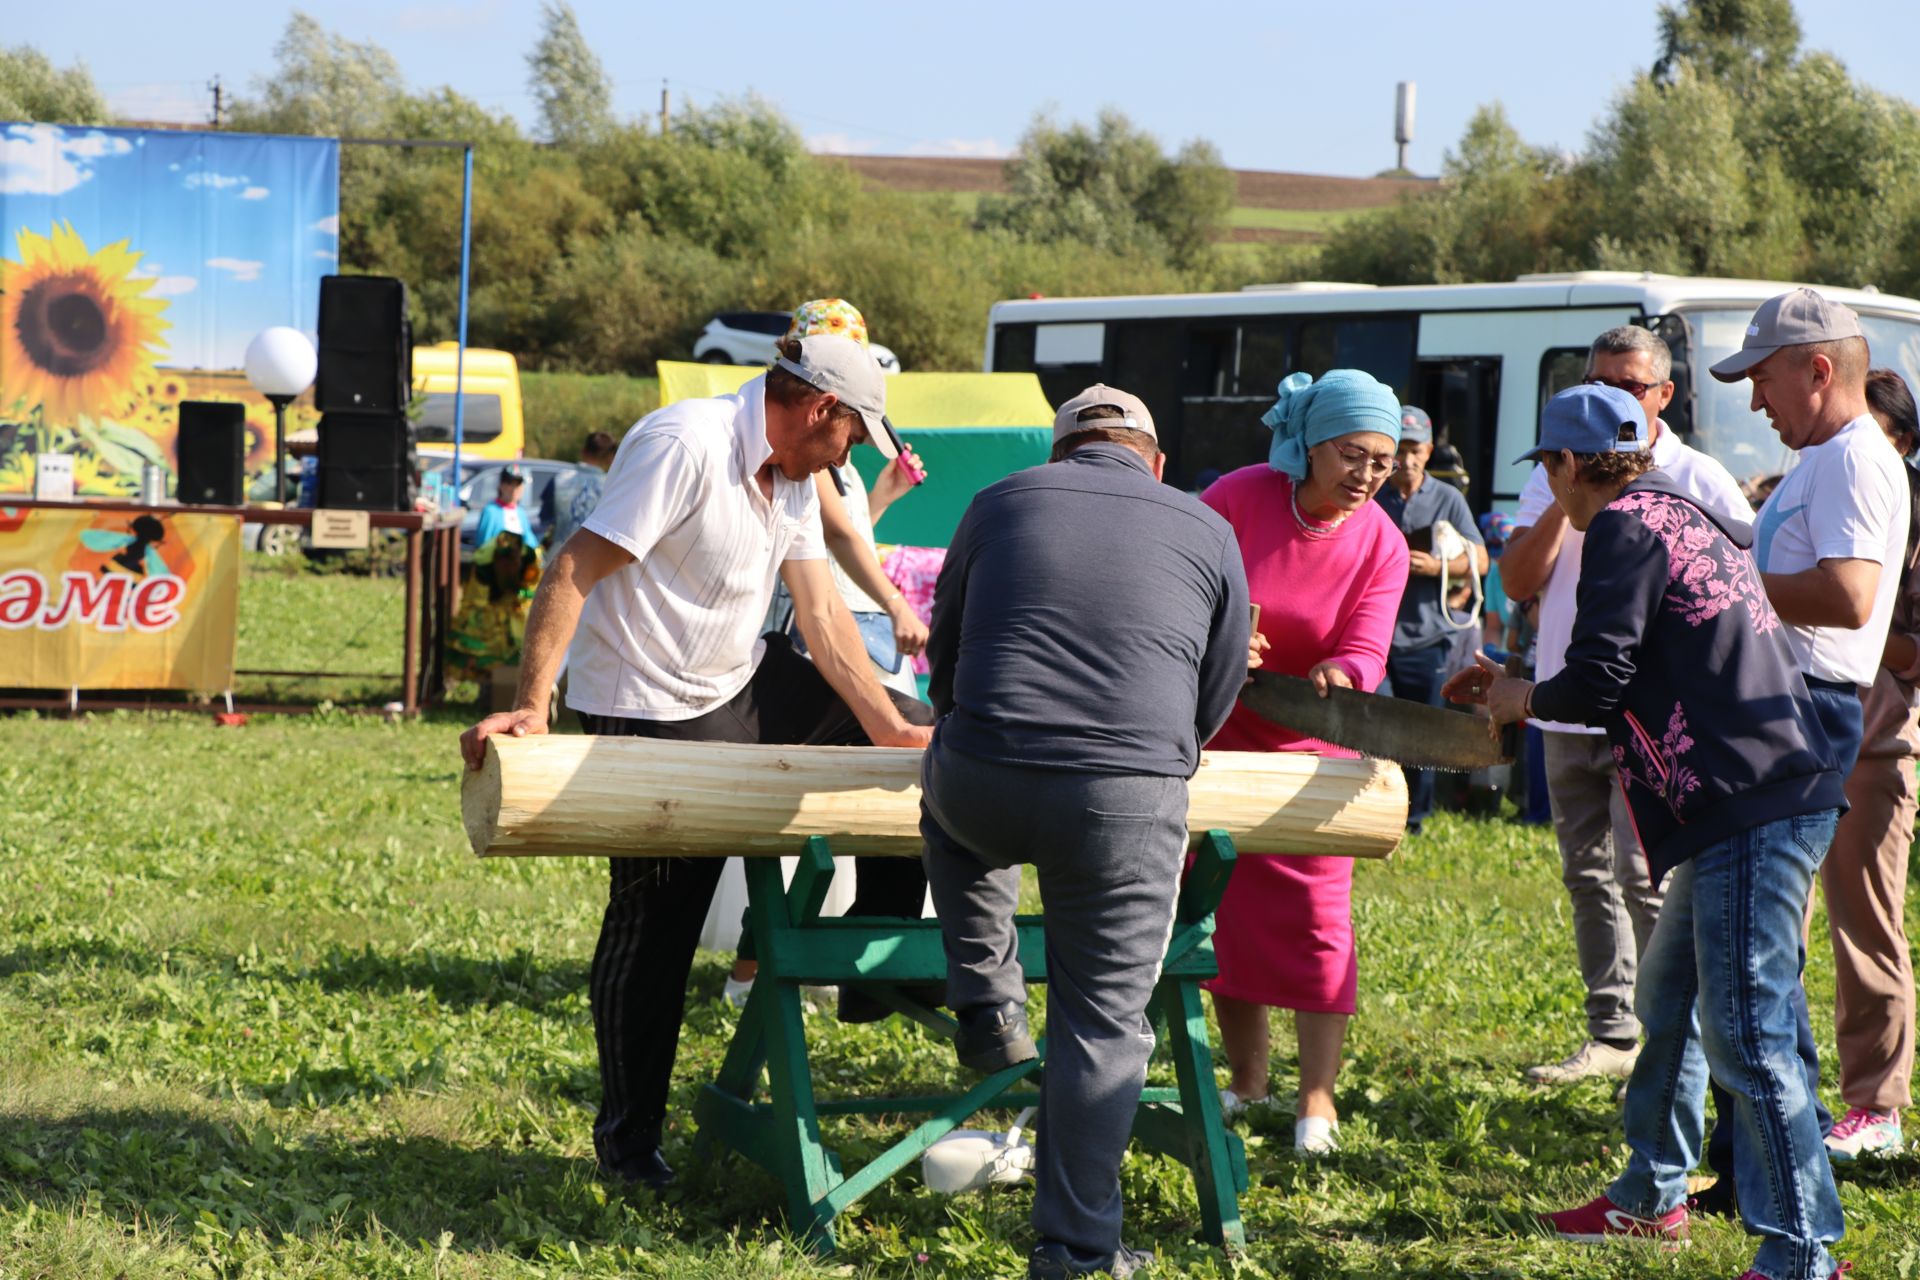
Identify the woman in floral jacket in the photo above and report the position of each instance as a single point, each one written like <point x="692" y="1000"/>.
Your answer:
<point x="1732" y="786"/>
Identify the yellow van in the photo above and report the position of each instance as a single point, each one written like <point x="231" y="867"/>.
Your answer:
<point x="494" y="427"/>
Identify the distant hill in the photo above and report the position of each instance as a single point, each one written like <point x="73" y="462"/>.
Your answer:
<point x="1271" y="206"/>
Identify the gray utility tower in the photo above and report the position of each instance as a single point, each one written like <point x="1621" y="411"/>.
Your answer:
<point x="1402" y="121"/>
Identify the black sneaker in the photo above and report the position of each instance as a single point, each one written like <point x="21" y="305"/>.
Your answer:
<point x="1051" y="1260"/>
<point x="650" y="1171"/>
<point x="993" y="1037"/>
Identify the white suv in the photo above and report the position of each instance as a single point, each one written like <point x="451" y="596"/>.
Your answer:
<point x="747" y="338"/>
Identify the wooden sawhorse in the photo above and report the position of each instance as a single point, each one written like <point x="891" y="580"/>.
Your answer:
<point x="795" y="946"/>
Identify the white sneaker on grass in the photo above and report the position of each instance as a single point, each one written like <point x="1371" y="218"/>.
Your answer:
<point x="1591" y="1059"/>
<point x="1865" y="1133"/>
<point x="1316" y="1135"/>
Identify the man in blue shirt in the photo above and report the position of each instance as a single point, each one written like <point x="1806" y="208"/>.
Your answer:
<point x="1424" y="634"/>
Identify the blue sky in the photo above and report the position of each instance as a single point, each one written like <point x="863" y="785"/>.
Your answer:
<point x="1280" y="85"/>
<point x="235" y="231"/>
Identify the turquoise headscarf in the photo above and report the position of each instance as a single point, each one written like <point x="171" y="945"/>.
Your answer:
<point x="1342" y="402"/>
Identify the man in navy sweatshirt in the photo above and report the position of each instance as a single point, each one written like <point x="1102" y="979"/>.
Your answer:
<point x="1090" y="632"/>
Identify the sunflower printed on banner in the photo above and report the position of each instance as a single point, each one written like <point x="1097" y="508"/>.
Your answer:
<point x="135" y="267"/>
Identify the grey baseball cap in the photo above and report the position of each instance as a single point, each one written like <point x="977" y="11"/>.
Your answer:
<point x="1133" y="412"/>
<point x="847" y="371"/>
<point x="1415" y="426"/>
<point x="1790" y="320"/>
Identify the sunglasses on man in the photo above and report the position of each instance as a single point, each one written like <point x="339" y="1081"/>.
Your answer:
<point x="1638" y="390"/>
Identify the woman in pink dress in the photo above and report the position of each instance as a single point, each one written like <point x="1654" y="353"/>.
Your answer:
<point x="1326" y="566"/>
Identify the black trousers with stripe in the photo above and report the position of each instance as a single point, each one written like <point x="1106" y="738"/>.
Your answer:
<point x="656" y="906"/>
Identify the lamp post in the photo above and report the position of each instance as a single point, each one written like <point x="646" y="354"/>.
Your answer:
<point x="280" y="364"/>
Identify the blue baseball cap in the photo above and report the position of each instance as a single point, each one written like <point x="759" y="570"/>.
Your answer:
<point x="1590" y="418"/>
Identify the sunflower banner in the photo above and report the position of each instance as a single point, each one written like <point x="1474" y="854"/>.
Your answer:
<point x="118" y="599"/>
<point x="135" y="267"/>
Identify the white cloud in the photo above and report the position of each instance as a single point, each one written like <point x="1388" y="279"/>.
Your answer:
<point x="841" y="144"/>
<point x="327" y="226"/>
<point x="173" y="286"/>
<point x="218" y="181"/>
<point x="47" y="160"/>
<point x="325" y="255"/>
<point x="255" y="193"/>
<point x="970" y="148"/>
<point x="243" y="270"/>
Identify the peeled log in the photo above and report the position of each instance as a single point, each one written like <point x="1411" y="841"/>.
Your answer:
<point x="583" y="796"/>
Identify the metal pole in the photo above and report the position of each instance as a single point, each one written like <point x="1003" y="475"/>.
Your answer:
<point x="460" y="356"/>
<point x="279" y="448"/>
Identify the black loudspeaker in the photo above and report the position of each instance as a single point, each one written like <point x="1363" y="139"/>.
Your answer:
<point x="366" y="345"/>
<point x="212" y="451"/>
<point x="367" y="462"/>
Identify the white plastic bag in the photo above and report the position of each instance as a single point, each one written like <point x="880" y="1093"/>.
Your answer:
<point x="973" y="1159"/>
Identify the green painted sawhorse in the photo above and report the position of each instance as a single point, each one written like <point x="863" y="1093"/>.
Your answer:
<point x="796" y="946"/>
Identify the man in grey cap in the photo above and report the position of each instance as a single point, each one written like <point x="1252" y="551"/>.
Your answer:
<point x="1090" y="632"/>
<point x="1828" y="542"/>
<point x="668" y="582"/>
<point x="1424" y="634"/>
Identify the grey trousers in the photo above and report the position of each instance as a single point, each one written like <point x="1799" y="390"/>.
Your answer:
<point x="1108" y="850"/>
<point x="1605" y="871"/>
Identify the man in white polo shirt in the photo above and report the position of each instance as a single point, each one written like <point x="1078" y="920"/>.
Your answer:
<point x="668" y="582"/>
<point x="1601" y="863"/>
<point x="1821" y="542"/>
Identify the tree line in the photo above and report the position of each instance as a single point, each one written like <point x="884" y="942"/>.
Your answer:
<point x="602" y="244"/>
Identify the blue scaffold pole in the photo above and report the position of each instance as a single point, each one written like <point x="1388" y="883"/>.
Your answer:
<point x="460" y="355"/>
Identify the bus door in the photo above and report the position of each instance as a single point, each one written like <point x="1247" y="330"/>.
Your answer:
<point x="1462" y="396"/>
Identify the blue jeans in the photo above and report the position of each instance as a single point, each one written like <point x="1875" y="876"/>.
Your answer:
<point x="1416" y="676"/>
<point x="1716" y="994"/>
<point x="1841" y="719"/>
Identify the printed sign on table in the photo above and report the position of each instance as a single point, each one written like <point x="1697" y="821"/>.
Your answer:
<point x="95" y="599"/>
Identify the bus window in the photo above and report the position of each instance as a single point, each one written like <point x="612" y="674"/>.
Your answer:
<point x="1264" y="358"/>
<point x="1382" y="347"/>
<point x="481" y="416"/>
<point x="1209" y="364"/>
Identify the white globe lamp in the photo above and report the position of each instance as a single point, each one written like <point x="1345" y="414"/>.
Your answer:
<point x="280" y="363"/>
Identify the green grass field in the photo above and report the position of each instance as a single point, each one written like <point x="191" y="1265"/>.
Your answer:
<point x="1317" y="221"/>
<point x="267" y="1017"/>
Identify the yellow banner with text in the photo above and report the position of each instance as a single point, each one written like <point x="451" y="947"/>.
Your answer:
<point x="99" y="599"/>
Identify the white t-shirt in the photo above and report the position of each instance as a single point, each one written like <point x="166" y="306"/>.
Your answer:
<point x="1698" y="475"/>
<point x="677" y="632"/>
<point x="860" y="514"/>
<point x="1843" y="500"/>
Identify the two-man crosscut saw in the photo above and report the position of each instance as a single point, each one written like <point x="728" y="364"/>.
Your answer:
<point x="1384" y="728"/>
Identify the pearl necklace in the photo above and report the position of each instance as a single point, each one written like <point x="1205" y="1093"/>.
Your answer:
<point x="1311" y="529"/>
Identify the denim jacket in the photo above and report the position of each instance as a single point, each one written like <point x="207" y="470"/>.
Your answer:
<point x="1677" y="654"/>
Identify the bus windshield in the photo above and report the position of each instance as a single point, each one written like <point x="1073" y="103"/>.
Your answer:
<point x="1724" y="424"/>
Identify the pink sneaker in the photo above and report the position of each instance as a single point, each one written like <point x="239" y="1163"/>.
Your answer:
<point x="1865" y="1133"/>
<point x="1600" y="1221"/>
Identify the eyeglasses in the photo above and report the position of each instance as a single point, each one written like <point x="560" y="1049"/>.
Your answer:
<point x="1354" y="459"/>
<point x="1638" y="390"/>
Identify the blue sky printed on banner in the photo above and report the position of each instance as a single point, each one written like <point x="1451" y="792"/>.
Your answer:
<point x="235" y="229"/>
